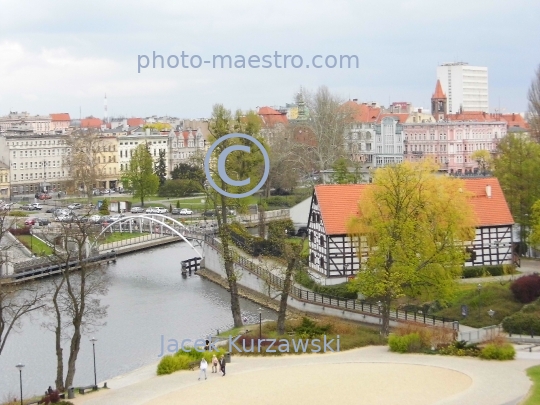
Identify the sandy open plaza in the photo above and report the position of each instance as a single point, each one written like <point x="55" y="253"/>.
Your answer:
<point x="370" y="375"/>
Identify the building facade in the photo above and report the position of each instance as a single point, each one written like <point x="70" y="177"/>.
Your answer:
<point x="4" y="182"/>
<point x="60" y="122"/>
<point x="466" y="87"/>
<point x="35" y="162"/>
<point x="154" y="140"/>
<point x="184" y="145"/>
<point x="39" y="124"/>
<point x="334" y="256"/>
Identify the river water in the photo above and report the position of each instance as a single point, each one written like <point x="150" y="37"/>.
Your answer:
<point x="147" y="298"/>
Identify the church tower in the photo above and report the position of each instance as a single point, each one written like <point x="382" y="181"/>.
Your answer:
<point x="438" y="103"/>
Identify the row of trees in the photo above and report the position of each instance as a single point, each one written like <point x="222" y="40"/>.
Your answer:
<point x="70" y="302"/>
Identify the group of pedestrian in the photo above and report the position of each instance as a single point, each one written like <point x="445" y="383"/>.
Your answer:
<point x="216" y="365"/>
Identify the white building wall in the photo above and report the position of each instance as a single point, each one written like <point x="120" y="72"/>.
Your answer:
<point x="465" y="86"/>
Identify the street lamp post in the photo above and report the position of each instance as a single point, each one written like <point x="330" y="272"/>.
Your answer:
<point x="260" y="323"/>
<point x="94" y="340"/>
<point x="379" y="305"/>
<point x="20" y="367"/>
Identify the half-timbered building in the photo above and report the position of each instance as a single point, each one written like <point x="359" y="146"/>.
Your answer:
<point x="334" y="256"/>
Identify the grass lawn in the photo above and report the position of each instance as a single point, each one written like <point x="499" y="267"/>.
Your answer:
<point x="35" y="245"/>
<point x="493" y="296"/>
<point x="118" y="236"/>
<point x="533" y="397"/>
<point x="351" y="335"/>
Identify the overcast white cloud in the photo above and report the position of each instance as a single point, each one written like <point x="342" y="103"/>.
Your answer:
<point x="59" y="56"/>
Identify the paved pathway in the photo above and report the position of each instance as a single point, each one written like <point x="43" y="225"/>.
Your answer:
<point x="371" y="375"/>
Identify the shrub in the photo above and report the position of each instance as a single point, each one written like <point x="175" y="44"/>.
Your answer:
<point x="522" y="323"/>
<point x="473" y="272"/>
<point x="494" y="351"/>
<point x="410" y="343"/>
<point x="527" y="288"/>
<point x="181" y="359"/>
<point x="460" y="348"/>
<point x="310" y="329"/>
<point x="17" y="214"/>
<point x="497" y="270"/>
<point x="167" y="365"/>
<point x="20" y="231"/>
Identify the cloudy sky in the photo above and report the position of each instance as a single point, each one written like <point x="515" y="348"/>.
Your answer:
<point x="62" y="56"/>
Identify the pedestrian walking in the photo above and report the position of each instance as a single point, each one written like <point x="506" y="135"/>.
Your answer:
<point x="214" y="364"/>
<point x="222" y="365"/>
<point x="203" y="367"/>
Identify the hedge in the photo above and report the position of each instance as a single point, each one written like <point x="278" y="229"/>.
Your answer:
<point x="522" y="323"/>
<point x="411" y="343"/>
<point x="481" y="271"/>
<point x="493" y="351"/>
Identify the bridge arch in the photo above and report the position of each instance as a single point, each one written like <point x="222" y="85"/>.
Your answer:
<point x="152" y="220"/>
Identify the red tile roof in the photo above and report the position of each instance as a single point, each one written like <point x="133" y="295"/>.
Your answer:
<point x="362" y="112"/>
<point x="439" y="93"/>
<point x="272" y="117"/>
<point x="339" y="202"/>
<point x="512" y="120"/>
<point x="91" y="123"/>
<point x="402" y="117"/>
<point x="135" y="122"/>
<point x="60" y="117"/>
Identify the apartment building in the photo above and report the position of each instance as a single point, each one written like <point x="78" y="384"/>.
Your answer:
<point x="184" y="145"/>
<point x="34" y="161"/>
<point x="465" y="86"/>
<point x="154" y="140"/>
<point x="4" y="182"/>
<point x="39" y="124"/>
<point x="60" y="122"/>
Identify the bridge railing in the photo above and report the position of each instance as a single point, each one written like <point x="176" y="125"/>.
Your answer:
<point x="355" y="305"/>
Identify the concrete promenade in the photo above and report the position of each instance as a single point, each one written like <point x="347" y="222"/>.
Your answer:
<point x="370" y="376"/>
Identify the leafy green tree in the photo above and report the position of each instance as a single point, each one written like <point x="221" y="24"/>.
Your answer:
<point x="158" y="126"/>
<point x="534" y="237"/>
<point x="484" y="160"/>
<point x="161" y="167"/>
<point x="239" y="165"/>
<point x="185" y="171"/>
<point x="342" y="175"/>
<point x="140" y="176"/>
<point x="177" y="203"/>
<point x="411" y="224"/>
<point x="104" y="209"/>
<point x="517" y="167"/>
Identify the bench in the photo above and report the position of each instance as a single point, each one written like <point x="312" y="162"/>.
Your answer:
<point x="88" y="387"/>
<point x="193" y="365"/>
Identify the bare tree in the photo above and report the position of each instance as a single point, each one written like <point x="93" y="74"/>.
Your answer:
<point x="88" y="157"/>
<point x="74" y="298"/>
<point x="285" y="165"/>
<point x="328" y="120"/>
<point x="534" y="106"/>
<point x="16" y="300"/>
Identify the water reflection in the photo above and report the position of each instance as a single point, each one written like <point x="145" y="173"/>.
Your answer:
<point x="147" y="298"/>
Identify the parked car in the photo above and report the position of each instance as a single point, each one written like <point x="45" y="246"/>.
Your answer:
<point x="137" y="210"/>
<point x="50" y="210"/>
<point x="30" y="221"/>
<point x="27" y="207"/>
<point x="64" y="218"/>
<point x="44" y="196"/>
<point x="209" y="214"/>
<point x="176" y="211"/>
<point x="43" y="221"/>
<point x="6" y="206"/>
<point x="159" y="210"/>
<point x="37" y="206"/>
<point x="74" y="206"/>
<point x="186" y="211"/>
<point x="96" y="219"/>
<point x="150" y="210"/>
<point x="116" y="217"/>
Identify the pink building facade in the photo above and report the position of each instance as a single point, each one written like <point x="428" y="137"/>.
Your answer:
<point x="451" y="143"/>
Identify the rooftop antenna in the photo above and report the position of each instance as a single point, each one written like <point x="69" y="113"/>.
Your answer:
<point x="106" y="113"/>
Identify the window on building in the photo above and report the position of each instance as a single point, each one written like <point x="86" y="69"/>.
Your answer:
<point x="321" y="241"/>
<point x="312" y="257"/>
<point x="322" y="263"/>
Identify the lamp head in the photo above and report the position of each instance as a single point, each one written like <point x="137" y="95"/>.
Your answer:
<point x="20" y="366"/>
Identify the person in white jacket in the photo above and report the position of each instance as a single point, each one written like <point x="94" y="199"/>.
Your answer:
<point x="203" y="366"/>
